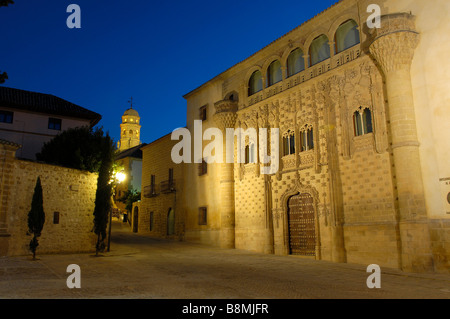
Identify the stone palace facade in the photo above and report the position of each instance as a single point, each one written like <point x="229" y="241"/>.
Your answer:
<point x="363" y="159"/>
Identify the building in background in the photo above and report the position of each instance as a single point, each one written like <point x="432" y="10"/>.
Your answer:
<point x="31" y="119"/>
<point x="159" y="212"/>
<point x="129" y="157"/>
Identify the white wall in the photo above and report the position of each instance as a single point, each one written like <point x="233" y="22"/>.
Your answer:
<point x="31" y="131"/>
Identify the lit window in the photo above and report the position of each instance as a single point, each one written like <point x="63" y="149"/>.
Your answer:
<point x="362" y="122"/>
<point x="307" y="139"/>
<point x="289" y="143"/>
<point x="319" y="50"/>
<point x="274" y="74"/>
<point x="255" y="83"/>
<point x="347" y="35"/>
<point x="296" y="62"/>
<point x="54" y="124"/>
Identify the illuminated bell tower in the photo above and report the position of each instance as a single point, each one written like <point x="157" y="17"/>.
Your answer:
<point x="130" y="129"/>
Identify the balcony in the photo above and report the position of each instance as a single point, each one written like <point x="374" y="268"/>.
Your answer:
<point x="167" y="186"/>
<point x="150" y="191"/>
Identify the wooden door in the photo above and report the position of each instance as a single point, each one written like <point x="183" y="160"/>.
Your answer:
<point x="302" y="225"/>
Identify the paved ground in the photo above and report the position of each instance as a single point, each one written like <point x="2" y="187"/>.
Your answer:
<point x="139" y="267"/>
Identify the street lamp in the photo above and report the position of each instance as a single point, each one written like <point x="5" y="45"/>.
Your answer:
<point x="119" y="177"/>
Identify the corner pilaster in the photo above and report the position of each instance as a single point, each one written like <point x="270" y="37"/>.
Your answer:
<point x="393" y="48"/>
<point x="225" y="117"/>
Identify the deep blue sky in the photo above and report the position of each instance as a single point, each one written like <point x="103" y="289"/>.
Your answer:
<point x="155" y="51"/>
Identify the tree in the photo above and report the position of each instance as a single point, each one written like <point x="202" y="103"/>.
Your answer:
<point x="78" y="148"/>
<point x="4" y="75"/>
<point x="103" y="195"/>
<point x="130" y="197"/>
<point x="4" y="3"/>
<point x="84" y="148"/>
<point x="36" y="217"/>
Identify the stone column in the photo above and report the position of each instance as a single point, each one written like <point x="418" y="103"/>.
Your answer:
<point x="393" y="48"/>
<point x="225" y="117"/>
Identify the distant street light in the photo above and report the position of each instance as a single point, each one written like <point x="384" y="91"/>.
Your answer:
<point x="119" y="178"/>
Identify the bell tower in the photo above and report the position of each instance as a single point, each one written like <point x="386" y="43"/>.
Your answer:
<point x="130" y="129"/>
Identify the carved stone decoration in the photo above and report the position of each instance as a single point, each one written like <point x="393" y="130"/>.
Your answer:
<point x="379" y="114"/>
<point x="317" y="147"/>
<point x="395" y="42"/>
<point x="225" y="116"/>
<point x="263" y="114"/>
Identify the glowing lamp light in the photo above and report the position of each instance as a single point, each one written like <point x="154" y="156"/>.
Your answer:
<point x="120" y="176"/>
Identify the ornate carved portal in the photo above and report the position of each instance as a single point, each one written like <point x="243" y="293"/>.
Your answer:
<point x="302" y="225"/>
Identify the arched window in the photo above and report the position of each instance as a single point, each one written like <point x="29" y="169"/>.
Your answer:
<point x="131" y="132"/>
<point x="347" y="35"/>
<point x="295" y="62"/>
<point x="250" y="153"/>
<point x="171" y="222"/>
<point x="319" y="50"/>
<point x="362" y="121"/>
<point x="289" y="143"/>
<point x="307" y="139"/>
<point x="255" y="84"/>
<point x="274" y="74"/>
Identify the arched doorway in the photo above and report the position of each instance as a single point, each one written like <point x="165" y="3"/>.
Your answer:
<point x="302" y="225"/>
<point x="135" y="219"/>
<point x="170" y="222"/>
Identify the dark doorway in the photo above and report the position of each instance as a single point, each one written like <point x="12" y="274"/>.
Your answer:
<point x="135" y="220"/>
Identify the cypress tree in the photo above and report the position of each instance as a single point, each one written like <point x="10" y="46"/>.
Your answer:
<point x="104" y="193"/>
<point x="36" y="217"/>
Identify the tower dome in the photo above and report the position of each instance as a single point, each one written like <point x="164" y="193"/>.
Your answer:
<point x="131" y="112"/>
